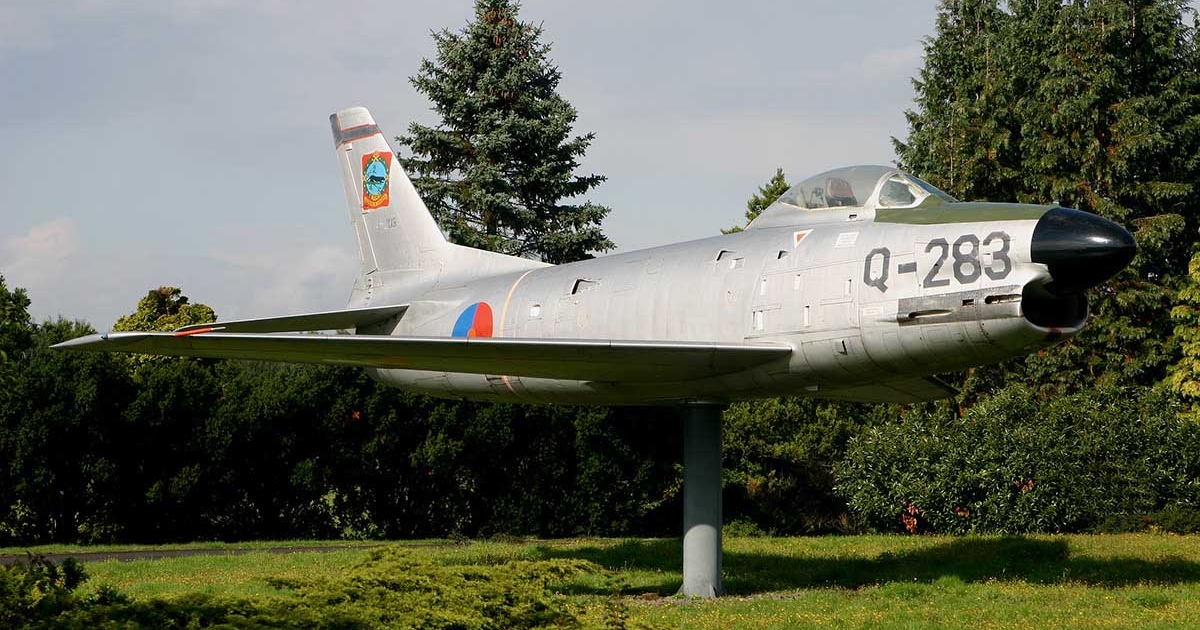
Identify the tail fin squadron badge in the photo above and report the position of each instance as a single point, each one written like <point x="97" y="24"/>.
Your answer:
<point x="375" y="180"/>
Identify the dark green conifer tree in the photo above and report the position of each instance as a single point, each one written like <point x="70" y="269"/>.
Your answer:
<point x="766" y="195"/>
<point x="1112" y="126"/>
<point x="498" y="172"/>
<point x="1093" y="105"/>
<point x="962" y="134"/>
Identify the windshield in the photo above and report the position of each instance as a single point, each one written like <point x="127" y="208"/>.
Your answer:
<point x="933" y="190"/>
<point x="855" y="186"/>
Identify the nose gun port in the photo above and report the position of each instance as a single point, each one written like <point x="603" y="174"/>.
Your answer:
<point x="1080" y="249"/>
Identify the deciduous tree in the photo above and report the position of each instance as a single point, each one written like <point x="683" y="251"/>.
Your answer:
<point x="60" y="433"/>
<point x="165" y="309"/>
<point x="16" y="327"/>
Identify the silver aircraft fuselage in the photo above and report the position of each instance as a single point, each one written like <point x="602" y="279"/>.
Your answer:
<point x="863" y="300"/>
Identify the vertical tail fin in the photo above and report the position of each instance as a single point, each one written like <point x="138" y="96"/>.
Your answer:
<point x="397" y="237"/>
<point x="394" y="229"/>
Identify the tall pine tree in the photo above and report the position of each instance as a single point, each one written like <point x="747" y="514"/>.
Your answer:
<point x="499" y="171"/>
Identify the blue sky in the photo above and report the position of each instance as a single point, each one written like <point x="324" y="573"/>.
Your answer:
<point x="157" y="143"/>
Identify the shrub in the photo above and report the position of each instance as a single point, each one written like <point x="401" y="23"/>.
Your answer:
<point x="1015" y="463"/>
<point x="37" y="589"/>
<point x="779" y="455"/>
<point x="1177" y="519"/>
<point x="742" y="528"/>
<point x="392" y="589"/>
<point x="395" y="589"/>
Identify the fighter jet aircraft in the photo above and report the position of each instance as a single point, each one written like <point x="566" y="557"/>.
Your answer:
<point x="860" y="283"/>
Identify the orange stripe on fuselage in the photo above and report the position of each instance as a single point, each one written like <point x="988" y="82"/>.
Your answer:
<point x="504" y="317"/>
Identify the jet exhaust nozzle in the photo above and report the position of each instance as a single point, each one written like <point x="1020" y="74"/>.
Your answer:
<point x="1080" y="249"/>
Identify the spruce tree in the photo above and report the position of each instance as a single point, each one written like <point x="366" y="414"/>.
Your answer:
<point x="766" y="195"/>
<point x="498" y="172"/>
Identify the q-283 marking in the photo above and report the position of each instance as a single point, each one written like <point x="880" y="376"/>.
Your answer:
<point x="966" y="267"/>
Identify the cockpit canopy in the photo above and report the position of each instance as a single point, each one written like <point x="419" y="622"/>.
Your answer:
<point x="861" y="186"/>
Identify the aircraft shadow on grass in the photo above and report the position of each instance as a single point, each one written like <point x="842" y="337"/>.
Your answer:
<point x="1010" y="558"/>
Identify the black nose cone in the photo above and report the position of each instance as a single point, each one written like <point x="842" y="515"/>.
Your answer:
<point x="1080" y="249"/>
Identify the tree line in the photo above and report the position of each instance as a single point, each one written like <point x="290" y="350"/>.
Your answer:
<point x="128" y="448"/>
<point x="1094" y="105"/>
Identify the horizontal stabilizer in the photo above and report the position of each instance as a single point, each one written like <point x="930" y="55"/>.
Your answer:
<point x="328" y="320"/>
<point x="572" y="359"/>
<point x="905" y="390"/>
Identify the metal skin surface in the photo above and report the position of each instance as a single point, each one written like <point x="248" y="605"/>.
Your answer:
<point x="864" y="301"/>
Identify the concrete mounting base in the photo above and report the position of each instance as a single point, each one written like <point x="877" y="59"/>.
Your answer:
<point x="702" y="501"/>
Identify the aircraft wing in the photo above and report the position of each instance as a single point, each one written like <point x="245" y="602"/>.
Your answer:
<point x="573" y="359"/>
<point x="328" y="320"/>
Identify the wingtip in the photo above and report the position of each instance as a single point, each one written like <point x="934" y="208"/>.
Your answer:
<point x="78" y="342"/>
<point x="100" y="341"/>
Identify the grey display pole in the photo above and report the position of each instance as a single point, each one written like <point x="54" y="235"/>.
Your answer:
<point x="702" y="501"/>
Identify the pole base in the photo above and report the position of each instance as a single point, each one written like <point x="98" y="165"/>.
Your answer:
<point x="702" y="501"/>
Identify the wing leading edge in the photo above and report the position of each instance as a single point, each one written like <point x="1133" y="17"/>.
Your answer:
<point x="570" y="359"/>
<point x="327" y="320"/>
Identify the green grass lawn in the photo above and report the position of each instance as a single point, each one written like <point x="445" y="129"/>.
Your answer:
<point x="1139" y="581"/>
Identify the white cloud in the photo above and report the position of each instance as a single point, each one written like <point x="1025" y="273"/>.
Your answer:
<point x="44" y="261"/>
<point x="41" y="254"/>
<point x="291" y="279"/>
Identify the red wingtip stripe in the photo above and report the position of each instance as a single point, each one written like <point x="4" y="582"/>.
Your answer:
<point x="185" y="333"/>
